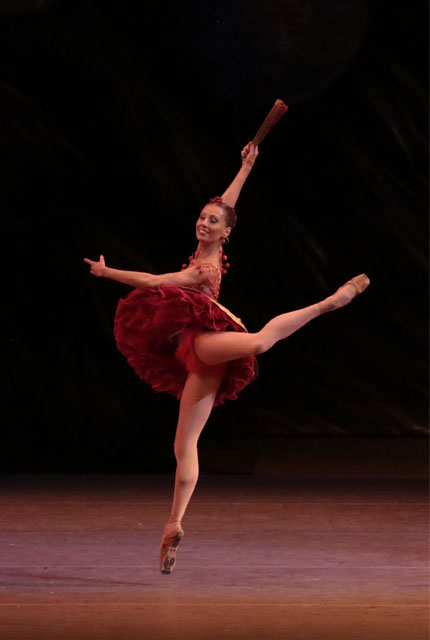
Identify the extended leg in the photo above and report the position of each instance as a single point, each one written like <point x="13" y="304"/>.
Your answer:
<point x="214" y="348"/>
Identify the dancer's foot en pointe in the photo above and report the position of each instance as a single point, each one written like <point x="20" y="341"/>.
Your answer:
<point x="344" y="294"/>
<point x="172" y="536"/>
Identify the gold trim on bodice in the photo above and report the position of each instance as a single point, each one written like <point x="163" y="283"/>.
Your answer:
<point x="229" y="313"/>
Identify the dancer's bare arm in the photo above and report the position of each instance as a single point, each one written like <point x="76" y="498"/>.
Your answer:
<point x="249" y="155"/>
<point x="186" y="278"/>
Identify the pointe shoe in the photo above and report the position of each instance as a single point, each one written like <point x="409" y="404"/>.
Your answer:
<point x="172" y="536"/>
<point x="360" y="283"/>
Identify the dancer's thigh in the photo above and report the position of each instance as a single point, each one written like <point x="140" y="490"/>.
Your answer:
<point x="216" y="347"/>
<point x="197" y="400"/>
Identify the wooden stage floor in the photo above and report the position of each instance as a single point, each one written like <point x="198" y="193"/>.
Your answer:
<point x="262" y="558"/>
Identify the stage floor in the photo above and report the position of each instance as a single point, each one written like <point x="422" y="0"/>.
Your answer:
<point x="262" y="558"/>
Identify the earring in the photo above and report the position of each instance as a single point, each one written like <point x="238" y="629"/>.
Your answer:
<point x="226" y="240"/>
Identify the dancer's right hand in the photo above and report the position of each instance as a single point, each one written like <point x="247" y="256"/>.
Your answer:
<point x="97" y="268"/>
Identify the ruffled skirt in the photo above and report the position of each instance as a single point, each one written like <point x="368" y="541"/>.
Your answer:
<point x="155" y="330"/>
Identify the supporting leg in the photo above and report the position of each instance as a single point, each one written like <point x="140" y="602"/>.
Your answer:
<point x="196" y="404"/>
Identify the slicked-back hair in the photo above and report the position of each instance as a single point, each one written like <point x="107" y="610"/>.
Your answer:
<point x="230" y="214"/>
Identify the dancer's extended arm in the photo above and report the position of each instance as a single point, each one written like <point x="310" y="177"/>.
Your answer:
<point x="186" y="278"/>
<point x="249" y="155"/>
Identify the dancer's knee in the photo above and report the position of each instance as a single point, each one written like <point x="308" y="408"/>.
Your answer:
<point x="185" y="451"/>
<point x="260" y="343"/>
<point x="187" y="469"/>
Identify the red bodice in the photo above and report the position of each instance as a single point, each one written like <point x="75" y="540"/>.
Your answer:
<point x="214" y="273"/>
<point x="212" y="284"/>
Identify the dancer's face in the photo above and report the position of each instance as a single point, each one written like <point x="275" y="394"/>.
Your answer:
<point x="211" y="224"/>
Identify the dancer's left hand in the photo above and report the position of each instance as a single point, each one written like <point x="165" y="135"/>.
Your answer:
<point x="249" y="154"/>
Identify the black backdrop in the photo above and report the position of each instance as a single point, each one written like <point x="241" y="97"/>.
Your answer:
<point x="118" y="123"/>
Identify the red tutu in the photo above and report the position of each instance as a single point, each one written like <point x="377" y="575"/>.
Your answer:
<point x="155" y="330"/>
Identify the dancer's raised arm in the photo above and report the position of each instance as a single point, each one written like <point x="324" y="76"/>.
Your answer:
<point x="249" y="154"/>
<point x="139" y="279"/>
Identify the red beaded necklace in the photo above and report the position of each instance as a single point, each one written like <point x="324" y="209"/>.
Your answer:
<point x="224" y="265"/>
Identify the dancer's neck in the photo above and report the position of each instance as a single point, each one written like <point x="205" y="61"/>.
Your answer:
<point x="207" y="252"/>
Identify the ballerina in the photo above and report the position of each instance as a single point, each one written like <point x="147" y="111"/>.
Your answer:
<point x="179" y="339"/>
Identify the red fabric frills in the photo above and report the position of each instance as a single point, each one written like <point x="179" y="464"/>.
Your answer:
<point x="155" y="329"/>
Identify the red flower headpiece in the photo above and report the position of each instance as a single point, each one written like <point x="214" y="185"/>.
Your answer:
<point x="216" y="199"/>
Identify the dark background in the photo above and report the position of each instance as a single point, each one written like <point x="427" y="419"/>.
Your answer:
<point x="118" y="123"/>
